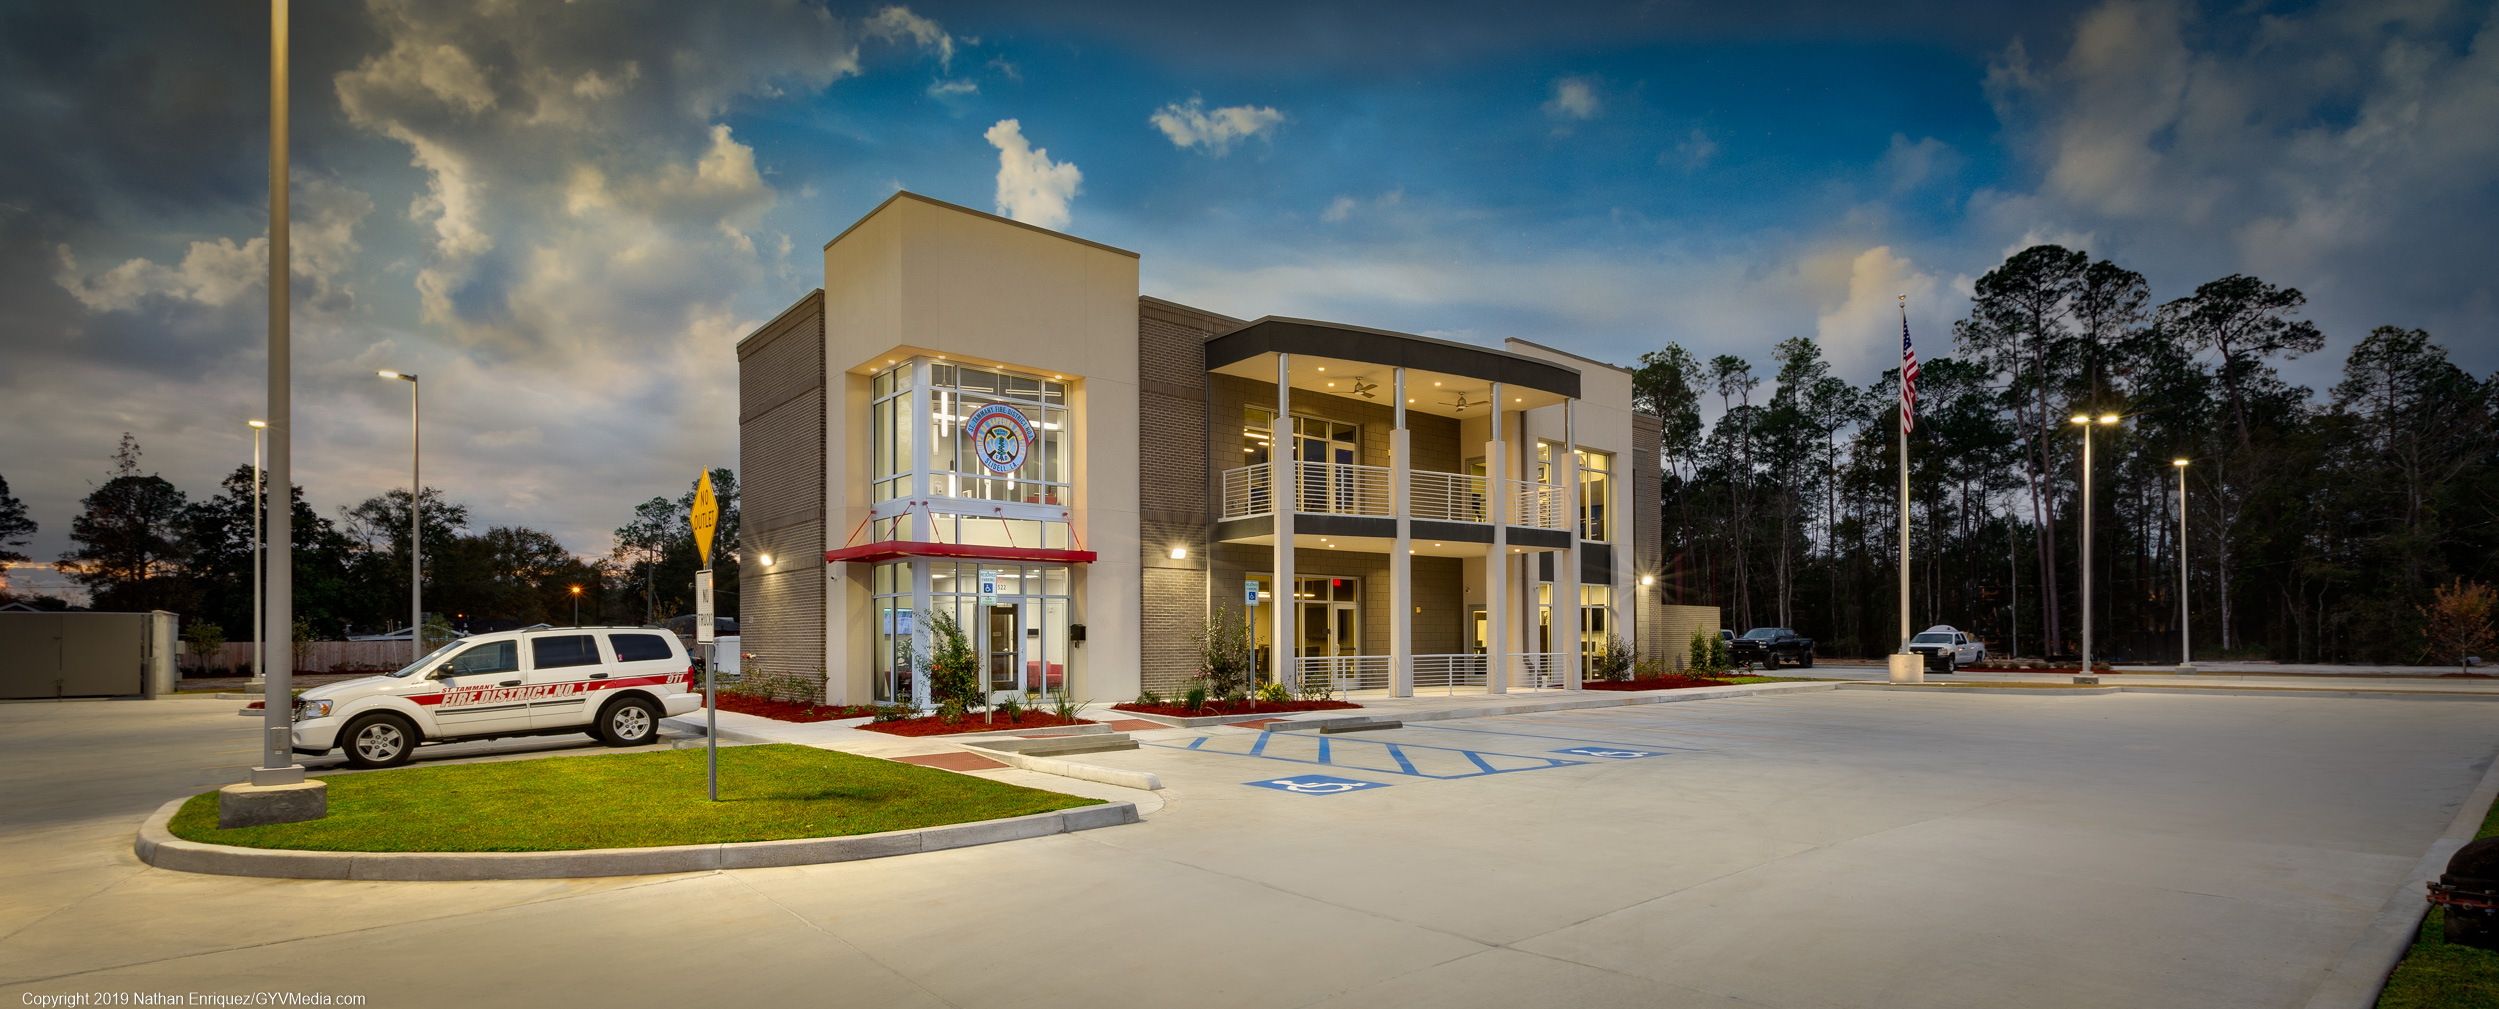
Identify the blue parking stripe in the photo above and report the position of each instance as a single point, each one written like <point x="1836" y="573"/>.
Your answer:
<point x="1198" y="742"/>
<point x="1393" y="751"/>
<point x="1327" y="757"/>
<point x="1257" y="749"/>
<point x="1566" y="739"/>
<point x="1479" y="760"/>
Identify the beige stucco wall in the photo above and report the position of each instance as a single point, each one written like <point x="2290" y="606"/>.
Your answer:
<point x="918" y="276"/>
<point x="1602" y="422"/>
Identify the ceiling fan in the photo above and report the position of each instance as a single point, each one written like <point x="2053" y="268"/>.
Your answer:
<point x="1366" y="390"/>
<point x="1459" y="406"/>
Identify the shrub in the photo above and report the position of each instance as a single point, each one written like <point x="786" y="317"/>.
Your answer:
<point x="1704" y="651"/>
<point x="204" y="638"/>
<point x="1717" y="654"/>
<point x="1226" y="660"/>
<point x="1612" y="662"/>
<point x="954" y="680"/>
<point x="891" y="712"/>
<point x="1274" y="693"/>
<point x="1149" y="698"/>
<point x="1065" y="705"/>
<point x="1195" y="699"/>
<point x="1011" y="709"/>
<point x="1648" y="669"/>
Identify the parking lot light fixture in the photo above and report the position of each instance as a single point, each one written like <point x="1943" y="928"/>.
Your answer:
<point x="576" y="605"/>
<point x="260" y="623"/>
<point x="2084" y="673"/>
<point x="2186" y="654"/>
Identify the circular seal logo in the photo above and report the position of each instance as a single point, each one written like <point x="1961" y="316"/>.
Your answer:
<point x="1001" y="437"/>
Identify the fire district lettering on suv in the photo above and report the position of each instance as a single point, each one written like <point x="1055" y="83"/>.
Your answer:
<point x="458" y="697"/>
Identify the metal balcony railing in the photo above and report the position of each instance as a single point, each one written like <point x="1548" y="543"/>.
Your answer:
<point x="1343" y="489"/>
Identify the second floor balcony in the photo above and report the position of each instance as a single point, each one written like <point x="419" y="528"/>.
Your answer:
<point x="1346" y="489"/>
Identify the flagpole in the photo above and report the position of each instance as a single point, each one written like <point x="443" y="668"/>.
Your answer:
<point x="1906" y="666"/>
<point x="1905" y="379"/>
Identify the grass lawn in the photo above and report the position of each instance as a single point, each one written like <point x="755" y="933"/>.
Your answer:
<point x="2439" y="976"/>
<point x="629" y="800"/>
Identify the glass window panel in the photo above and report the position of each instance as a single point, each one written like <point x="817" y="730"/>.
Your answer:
<point x="1054" y="581"/>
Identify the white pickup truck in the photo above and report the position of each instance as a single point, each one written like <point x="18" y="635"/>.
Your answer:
<point x="1947" y="647"/>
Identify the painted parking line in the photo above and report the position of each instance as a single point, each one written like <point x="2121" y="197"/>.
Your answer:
<point x="1410" y="759"/>
<point x="1535" y="735"/>
<point x="1609" y="754"/>
<point x="1316" y="784"/>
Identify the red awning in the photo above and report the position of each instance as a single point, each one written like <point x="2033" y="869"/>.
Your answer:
<point x="895" y="549"/>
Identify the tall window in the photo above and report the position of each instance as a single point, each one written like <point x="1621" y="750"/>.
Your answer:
<point x="890" y="424"/>
<point x="890" y="665"/>
<point x="1596" y="488"/>
<point x="1596" y="481"/>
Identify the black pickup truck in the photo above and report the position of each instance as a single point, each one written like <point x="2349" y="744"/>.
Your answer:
<point x="1770" y="646"/>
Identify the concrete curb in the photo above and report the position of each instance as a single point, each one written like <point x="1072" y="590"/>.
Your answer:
<point x="1201" y="721"/>
<point x="1142" y="780"/>
<point x="2356" y="980"/>
<point x="2178" y="691"/>
<point x="157" y="846"/>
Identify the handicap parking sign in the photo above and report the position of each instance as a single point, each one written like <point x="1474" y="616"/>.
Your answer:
<point x="1316" y="784"/>
<point x="1600" y="751"/>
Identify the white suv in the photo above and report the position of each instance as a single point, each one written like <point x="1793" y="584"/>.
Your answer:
<point x="615" y="683"/>
<point x="1947" y="647"/>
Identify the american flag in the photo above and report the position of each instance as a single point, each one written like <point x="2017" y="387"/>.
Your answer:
<point x="1908" y="379"/>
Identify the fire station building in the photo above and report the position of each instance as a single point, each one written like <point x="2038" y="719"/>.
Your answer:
<point x="984" y="418"/>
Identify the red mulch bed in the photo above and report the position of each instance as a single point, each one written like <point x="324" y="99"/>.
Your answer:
<point x="1233" y="707"/>
<point x="1656" y="683"/>
<point x="932" y="726"/>
<point x="790" y="711"/>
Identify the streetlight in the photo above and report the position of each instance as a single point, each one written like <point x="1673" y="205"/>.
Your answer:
<point x="2186" y="657"/>
<point x="576" y="605"/>
<point x="2085" y="675"/>
<point x="416" y="525"/>
<point x="259" y="626"/>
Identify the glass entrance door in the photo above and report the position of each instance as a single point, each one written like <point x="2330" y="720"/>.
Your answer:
<point x="1005" y="647"/>
<point x="1329" y="628"/>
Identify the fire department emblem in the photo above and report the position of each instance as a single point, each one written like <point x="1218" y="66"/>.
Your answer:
<point x="1000" y="436"/>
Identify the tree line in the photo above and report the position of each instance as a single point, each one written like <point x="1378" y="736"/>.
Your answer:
<point x="2318" y="528"/>
<point x="141" y="543"/>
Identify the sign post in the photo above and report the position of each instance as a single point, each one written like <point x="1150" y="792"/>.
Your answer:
<point x="705" y="518"/>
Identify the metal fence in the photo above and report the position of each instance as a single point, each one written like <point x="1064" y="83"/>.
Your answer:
<point x="1445" y="673"/>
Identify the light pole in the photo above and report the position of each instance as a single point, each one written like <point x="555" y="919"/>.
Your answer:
<point x="416" y="527"/>
<point x="576" y="605"/>
<point x="2186" y="655"/>
<point x="2084" y="674"/>
<point x="258" y="628"/>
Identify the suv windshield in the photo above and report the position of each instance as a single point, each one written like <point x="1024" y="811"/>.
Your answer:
<point x="1762" y="632"/>
<point x="411" y="668"/>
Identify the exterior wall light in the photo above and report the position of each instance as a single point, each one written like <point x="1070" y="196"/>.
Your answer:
<point x="1179" y="553"/>
<point x="766" y="558"/>
<point x="1648" y="579"/>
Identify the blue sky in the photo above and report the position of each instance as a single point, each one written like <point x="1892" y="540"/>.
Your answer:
<point x="565" y="214"/>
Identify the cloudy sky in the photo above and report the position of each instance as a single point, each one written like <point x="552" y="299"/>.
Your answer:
<point x="563" y="215"/>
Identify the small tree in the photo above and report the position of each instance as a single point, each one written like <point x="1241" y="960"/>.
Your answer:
<point x="954" y="680"/>
<point x="1613" y="662"/>
<point x="204" y="638"/>
<point x="1706" y="658"/>
<point x="2457" y="621"/>
<point x="1225" y="658"/>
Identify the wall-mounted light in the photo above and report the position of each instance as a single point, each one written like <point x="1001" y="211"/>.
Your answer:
<point x="1648" y="579"/>
<point x="1179" y="553"/>
<point x="767" y="559"/>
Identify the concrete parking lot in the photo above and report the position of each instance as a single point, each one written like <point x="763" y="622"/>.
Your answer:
<point x="1835" y="848"/>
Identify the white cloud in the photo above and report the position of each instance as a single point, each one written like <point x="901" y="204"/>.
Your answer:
<point x="953" y="88"/>
<point x="1909" y="165"/>
<point x="1574" y="98"/>
<point x="1690" y="153"/>
<point x="895" y="24"/>
<point x="1860" y="332"/>
<point x="1343" y="208"/>
<point x="1031" y="188"/>
<point x="1188" y="124"/>
<point x="321" y="228"/>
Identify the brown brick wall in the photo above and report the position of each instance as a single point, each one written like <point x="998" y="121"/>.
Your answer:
<point x="1173" y="485"/>
<point x="1648" y="548"/>
<point x="781" y="456"/>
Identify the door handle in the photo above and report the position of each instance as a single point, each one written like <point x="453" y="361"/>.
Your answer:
<point x="598" y="676"/>
<point x="509" y="683"/>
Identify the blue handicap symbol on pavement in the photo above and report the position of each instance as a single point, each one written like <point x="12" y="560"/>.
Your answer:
<point x="1599" y="751"/>
<point x="1316" y="784"/>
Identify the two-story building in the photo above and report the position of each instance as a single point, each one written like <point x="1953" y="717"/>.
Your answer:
<point x="983" y="418"/>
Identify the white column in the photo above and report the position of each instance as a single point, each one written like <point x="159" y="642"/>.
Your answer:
<point x="1566" y="567"/>
<point x="1280" y="459"/>
<point x="1401" y="552"/>
<point x="1497" y="613"/>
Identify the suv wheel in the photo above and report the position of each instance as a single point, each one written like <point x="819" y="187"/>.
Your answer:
<point x="379" y="740"/>
<point x="1769" y="661"/>
<point x="1805" y="662"/>
<point x="629" y="722"/>
<point x="1949" y="666"/>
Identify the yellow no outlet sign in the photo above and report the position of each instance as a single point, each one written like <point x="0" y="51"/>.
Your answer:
<point x="706" y="517"/>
